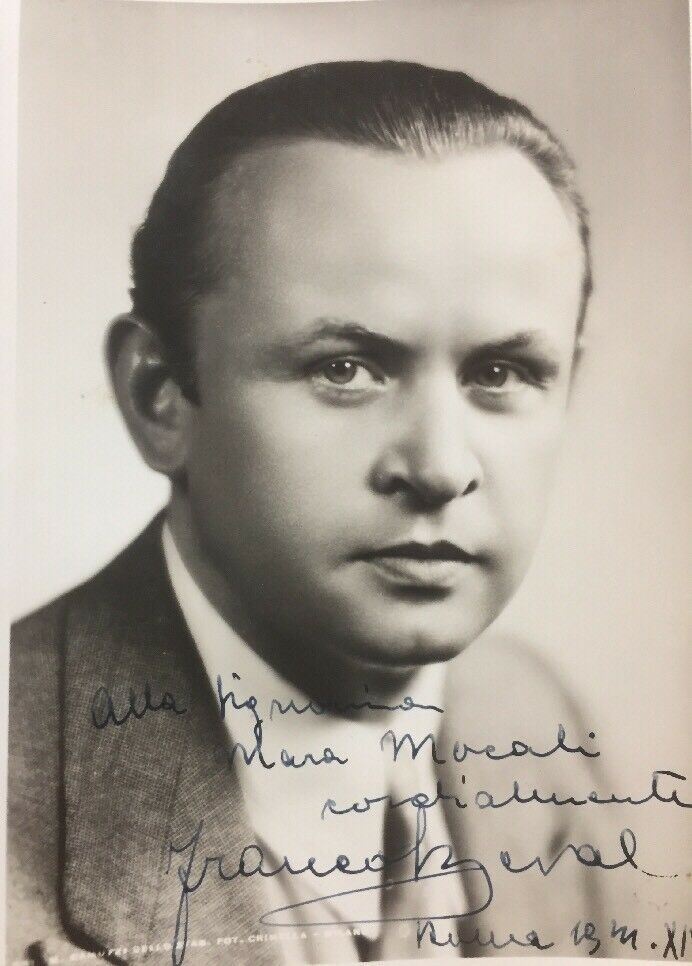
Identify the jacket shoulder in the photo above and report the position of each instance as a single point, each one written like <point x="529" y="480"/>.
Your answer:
<point x="119" y="585"/>
<point x="34" y="636"/>
<point x="34" y="671"/>
<point x="33" y="776"/>
<point x="37" y="640"/>
<point x="36" y="730"/>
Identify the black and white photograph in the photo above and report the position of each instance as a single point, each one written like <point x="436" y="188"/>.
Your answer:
<point x="349" y="538"/>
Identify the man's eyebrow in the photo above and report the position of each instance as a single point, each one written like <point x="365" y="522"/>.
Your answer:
<point x="346" y="330"/>
<point x="531" y="340"/>
<point x="339" y="329"/>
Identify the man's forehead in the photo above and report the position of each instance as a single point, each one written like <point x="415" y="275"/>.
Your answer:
<point x="332" y="225"/>
<point x="468" y="246"/>
<point x="285" y="194"/>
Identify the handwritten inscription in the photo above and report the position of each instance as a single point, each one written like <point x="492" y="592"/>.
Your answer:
<point x="105" y="710"/>
<point x="460" y="752"/>
<point x="252" y="861"/>
<point x="426" y="930"/>
<point x="483" y="799"/>
<point x="423" y="861"/>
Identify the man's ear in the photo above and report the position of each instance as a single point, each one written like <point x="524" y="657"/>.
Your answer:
<point x="153" y="406"/>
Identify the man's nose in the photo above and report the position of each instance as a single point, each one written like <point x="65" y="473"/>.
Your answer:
<point x="430" y="460"/>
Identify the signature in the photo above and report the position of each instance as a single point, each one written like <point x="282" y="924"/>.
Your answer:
<point x="252" y="861"/>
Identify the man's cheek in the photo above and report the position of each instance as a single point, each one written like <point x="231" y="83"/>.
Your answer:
<point x="317" y="474"/>
<point x="521" y="489"/>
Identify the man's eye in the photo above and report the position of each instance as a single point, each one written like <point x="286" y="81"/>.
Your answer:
<point x="341" y="371"/>
<point x="347" y="373"/>
<point x="498" y="377"/>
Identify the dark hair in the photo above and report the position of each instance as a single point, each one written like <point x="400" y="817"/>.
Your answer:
<point x="393" y="106"/>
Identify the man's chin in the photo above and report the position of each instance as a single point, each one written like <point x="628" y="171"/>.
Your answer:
<point x="383" y="631"/>
<point x="404" y="653"/>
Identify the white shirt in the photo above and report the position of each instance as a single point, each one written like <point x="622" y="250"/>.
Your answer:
<point x="285" y="804"/>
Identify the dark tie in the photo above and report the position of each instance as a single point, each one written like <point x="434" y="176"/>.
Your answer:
<point x="406" y="905"/>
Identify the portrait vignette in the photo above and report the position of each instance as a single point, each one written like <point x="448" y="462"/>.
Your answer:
<point x="602" y="605"/>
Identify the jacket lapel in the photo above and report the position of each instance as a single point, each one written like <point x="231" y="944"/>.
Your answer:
<point x="133" y="789"/>
<point x="209" y="828"/>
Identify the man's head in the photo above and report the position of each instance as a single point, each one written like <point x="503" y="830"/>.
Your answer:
<point x="357" y="297"/>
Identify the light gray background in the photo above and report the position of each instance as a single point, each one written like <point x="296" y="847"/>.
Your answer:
<point x="107" y="90"/>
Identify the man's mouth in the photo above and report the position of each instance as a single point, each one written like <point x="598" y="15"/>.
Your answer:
<point x="436" y="566"/>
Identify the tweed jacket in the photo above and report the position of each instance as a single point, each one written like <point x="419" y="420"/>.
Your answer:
<point x="93" y="811"/>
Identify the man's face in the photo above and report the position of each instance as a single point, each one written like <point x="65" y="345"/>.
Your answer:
<point x="383" y="376"/>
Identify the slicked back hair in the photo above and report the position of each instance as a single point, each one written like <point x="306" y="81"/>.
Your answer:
<point x="409" y="108"/>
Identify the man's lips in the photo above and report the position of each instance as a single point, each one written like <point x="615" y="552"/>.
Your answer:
<point x="436" y="566"/>
<point x="440" y="550"/>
